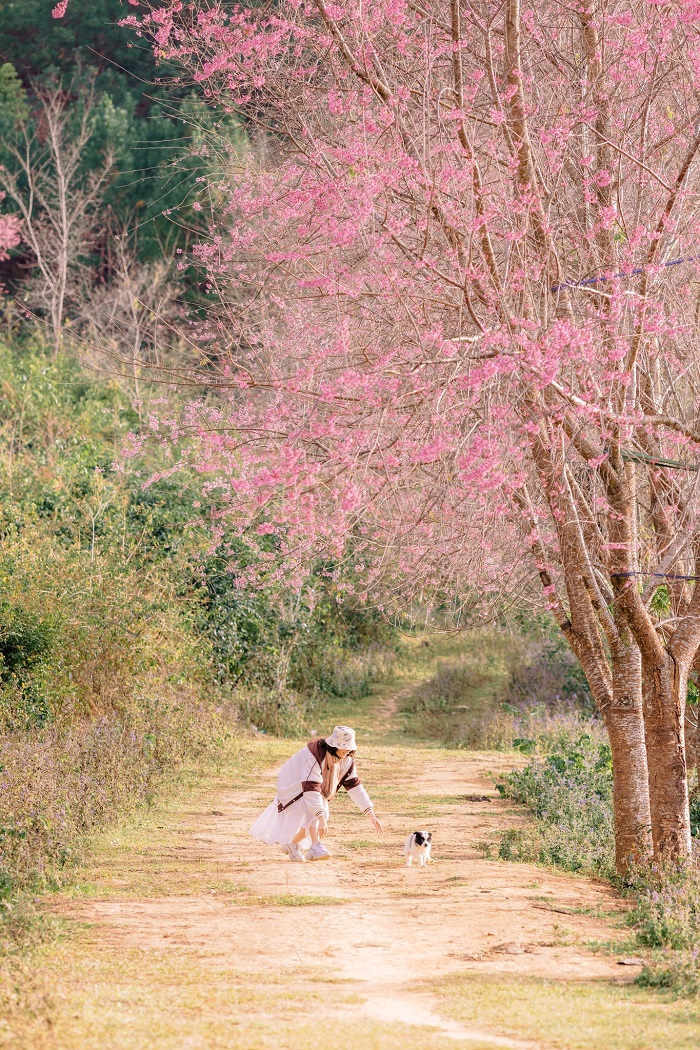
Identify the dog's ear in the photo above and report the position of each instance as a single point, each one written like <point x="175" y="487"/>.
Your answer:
<point x="429" y="837"/>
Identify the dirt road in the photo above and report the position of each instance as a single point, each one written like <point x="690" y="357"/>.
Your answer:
<point x="184" y="933"/>
<point x="392" y="926"/>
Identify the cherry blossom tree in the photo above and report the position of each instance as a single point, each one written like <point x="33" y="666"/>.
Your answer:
<point x="468" y="343"/>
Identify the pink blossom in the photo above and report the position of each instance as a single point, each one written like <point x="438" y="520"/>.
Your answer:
<point x="10" y="231"/>
<point x="451" y="293"/>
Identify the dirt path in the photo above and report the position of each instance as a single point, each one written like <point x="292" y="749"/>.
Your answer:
<point x="357" y="940"/>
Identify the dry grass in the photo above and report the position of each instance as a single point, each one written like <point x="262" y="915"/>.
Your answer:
<point x="93" y="997"/>
<point x="62" y="782"/>
<point x="572" y="1016"/>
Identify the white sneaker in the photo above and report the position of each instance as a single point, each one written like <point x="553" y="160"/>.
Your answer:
<point x="292" y="849"/>
<point x="318" y="852"/>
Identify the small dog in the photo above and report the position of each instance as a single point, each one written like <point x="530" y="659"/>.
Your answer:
<point x="418" y="846"/>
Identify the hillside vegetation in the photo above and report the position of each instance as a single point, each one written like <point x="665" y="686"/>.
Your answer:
<point x="126" y="651"/>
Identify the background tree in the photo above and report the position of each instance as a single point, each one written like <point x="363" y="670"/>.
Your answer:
<point x="159" y="161"/>
<point x="163" y="133"/>
<point x="44" y="173"/>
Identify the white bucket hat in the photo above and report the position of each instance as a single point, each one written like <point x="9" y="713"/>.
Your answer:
<point x="342" y="737"/>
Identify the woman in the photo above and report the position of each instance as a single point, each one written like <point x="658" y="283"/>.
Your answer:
<point x="304" y="785"/>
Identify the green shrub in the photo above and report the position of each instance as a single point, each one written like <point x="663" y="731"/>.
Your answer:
<point x="695" y="811"/>
<point x="569" y="792"/>
<point x="666" y="922"/>
<point x="284" y="713"/>
<point x="674" y="972"/>
<point x="304" y="645"/>
<point x="439" y="703"/>
<point x="26" y="642"/>
<point x="567" y="787"/>
<point x="667" y="914"/>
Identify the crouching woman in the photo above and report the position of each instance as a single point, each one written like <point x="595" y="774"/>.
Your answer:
<point x="298" y="817"/>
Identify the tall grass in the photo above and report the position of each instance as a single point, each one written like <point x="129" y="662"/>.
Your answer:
<point x="60" y="782"/>
<point x="497" y="686"/>
<point x="666" y="924"/>
<point x="457" y="704"/>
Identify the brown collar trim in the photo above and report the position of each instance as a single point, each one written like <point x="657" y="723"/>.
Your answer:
<point x="318" y="749"/>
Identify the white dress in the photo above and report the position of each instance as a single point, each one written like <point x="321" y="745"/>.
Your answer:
<point x="299" y="802"/>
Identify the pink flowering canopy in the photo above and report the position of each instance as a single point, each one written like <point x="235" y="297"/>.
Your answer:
<point x="10" y="232"/>
<point x="458" y="284"/>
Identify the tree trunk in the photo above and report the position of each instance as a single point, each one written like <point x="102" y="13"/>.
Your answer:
<point x="665" y="687"/>
<point x="620" y="704"/>
<point x="694" y="731"/>
<point x="664" y="674"/>
<point x="625" y="724"/>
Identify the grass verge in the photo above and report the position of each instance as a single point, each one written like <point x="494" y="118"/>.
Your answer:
<point x="585" y="1015"/>
<point x="567" y="787"/>
<point x="128" y="999"/>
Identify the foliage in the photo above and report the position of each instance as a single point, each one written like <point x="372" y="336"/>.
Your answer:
<point x="666" y="922"/>
<point x="695" y="809"/>
<point x="569" y="792"/>
<point x="26" y="641"/>
<point x="67" y="515"/>
<point x="287" y="647"/>
<point x="676" y="972"/>
<point x="567" y="787"/>
<point x="667" y="914"/>
<point x="105" y="684"/>
<point x="159" y="129"/>
<point x="127" y="652"/>
<point x="34" y="41"/>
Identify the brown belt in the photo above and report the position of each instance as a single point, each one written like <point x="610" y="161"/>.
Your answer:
<point x="281" y="807"/>
<point x="306" y="785"/>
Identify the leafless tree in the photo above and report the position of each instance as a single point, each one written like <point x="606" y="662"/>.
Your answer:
<point x="132" y="320"/>
<point x="54" y="194"/>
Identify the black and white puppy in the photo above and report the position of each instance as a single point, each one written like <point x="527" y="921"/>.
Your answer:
<point x="418" y="847"/>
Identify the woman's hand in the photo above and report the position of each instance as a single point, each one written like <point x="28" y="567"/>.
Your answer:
<point x="322" y="827"/>
<point x="377" y="823"/>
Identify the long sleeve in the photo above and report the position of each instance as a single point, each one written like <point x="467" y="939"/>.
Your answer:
<point x="360" y="798"/>
<point x="353" y="785"/>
